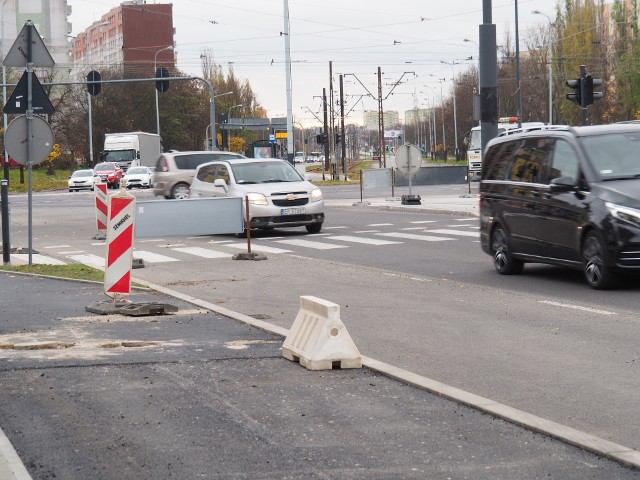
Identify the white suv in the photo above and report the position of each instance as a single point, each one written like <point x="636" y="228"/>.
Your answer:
<point x="278" y="196"/>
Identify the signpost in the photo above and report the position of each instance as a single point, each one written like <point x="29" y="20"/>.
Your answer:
<point x="408" y="160"/>
<point x="28" y="51"/>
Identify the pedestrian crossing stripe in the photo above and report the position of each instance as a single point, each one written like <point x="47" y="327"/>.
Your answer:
<point x="368" y="241"/>
<point x="36" y="258"/>
<point x="447" y="231"/>
<point x="202" y="252"/>
<point x="153" y="257"/>
<point x="89" y="259"/>
<point x="310" y="244"/>
<point x="257" y="248"/>
<point x="413" y="236"/>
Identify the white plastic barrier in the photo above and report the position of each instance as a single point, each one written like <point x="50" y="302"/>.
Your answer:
<point x="318" y="339"/>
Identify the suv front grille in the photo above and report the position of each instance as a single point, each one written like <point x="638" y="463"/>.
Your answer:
<point x="283" y="202"/>
<point x="629" y="256"/>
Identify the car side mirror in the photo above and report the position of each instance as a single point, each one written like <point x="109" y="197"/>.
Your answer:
<point x="562" y="184"/>
<point x="219" y="182"/>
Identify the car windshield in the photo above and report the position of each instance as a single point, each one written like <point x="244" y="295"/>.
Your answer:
<point x="105" y="167"/>
<point x="614" y="156"/>
<point x="120" y="156"/>
<point x="83" y="173"/>
<point x="136" y="171"/>
<point x="265" y="172"/>
<point x="475" y="141"/>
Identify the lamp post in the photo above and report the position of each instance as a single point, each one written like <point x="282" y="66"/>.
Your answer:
<point x="455" y="117"/>
<point x="229" y="118"/>
<point x="155" y="71"/>
<point x="518" y="90"/>
<point x="468" y="40"/>
<point x="444" y="136"/>
<point x="538" y="12"/>
<point x="89" y="32"/>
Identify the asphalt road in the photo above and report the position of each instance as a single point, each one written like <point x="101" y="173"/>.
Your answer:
<point x="542" y="341"/>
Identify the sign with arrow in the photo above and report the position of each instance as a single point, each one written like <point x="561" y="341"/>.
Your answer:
<point x="17" y="102"/>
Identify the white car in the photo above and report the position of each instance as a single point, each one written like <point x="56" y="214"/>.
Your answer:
<point x="83" y="180"/>
<point x="138" y="177"/>
<point x="278" y="196"/>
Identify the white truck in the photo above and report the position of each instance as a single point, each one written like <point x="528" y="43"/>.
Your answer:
<point x="132" y="149"/>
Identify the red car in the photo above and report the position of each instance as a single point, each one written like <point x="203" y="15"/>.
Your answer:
<point x="110" y="173"/>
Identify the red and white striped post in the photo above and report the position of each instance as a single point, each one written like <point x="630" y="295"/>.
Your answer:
<point x="102" y="210"/>
<point x="121" y="216"/>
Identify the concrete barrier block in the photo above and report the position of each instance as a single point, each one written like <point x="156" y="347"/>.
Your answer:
<point x="318" y="339"/>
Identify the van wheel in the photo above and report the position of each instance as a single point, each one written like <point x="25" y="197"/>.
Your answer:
<point x="180" y="191"/>
<point x="314" y="227"/>
<point x="595" y="271"/>
<point x="503" y="260"/>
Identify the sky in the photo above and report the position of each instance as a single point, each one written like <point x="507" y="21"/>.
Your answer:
<point x="407" y="39"/>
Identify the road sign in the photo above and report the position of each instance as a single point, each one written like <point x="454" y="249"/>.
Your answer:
<point x="408" y="159"/>
<point x="18" y="56"/>
<point x="40" y="102"/>
<point x="281" y="134"/>
<point x="272" y="138"/>
<point x="41" y="140"/>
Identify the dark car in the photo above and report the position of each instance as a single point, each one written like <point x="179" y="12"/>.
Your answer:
<point x="566" y="196"/>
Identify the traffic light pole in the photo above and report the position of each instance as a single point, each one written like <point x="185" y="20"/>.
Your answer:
<point x="584" y="118"/>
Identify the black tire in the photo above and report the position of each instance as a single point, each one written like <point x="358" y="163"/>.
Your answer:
<point x="180" y="191"/>
<point x="594" y="265"/>
<point x="503" y="260"/>
<point x="314" y="227"/>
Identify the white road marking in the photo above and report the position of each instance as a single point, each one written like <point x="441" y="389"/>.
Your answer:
<point x="367" y="231"/>
<point x="577" y="307"/>
<point x="173" y="245"/>
<point x="70" y="252"/>
<point x="333" y="228"/>
<point x="202" y="252"/>
<point x="310" y="244"/>
<point x="152" y="257"/>
<point x="412" y="228"/>
<point x="413" y="236"/>
<point x="90" y="260"/>
<point x="258" y="248"/>
<point x="474" y="226"/>
<point x="58" y="246"/>
<point x="36" y="258"/>
<point x="424" y="221"/>
<point x="446" y="231"/>
<point x="368" y="241"/>
<point x="220" y="241"/>
<point x="380" y="225"/>
<point x="151" y="240"/>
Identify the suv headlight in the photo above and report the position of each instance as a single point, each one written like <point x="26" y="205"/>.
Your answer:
<point x="257" y="199"/>
<point x="316" y="195"/>
<point x="624" y="214"/>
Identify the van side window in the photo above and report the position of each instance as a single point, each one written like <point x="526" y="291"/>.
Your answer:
<point x="498" y="160"/>
<point x="565" y="161"/>
<point x="530" y="161"/>
<point x="207" y="174"/>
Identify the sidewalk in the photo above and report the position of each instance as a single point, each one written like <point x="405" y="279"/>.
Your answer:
<point x="206" y="393"/>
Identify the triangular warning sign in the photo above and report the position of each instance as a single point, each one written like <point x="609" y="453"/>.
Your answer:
<point x="18" y="56"/>
<point x="40" y="102"/>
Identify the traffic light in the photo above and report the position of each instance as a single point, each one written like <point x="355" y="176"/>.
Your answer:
<point x="399" y="138"/>
<point x="577" y="87"/>
<point x="590" y="95"/>
<point x="322" y="139"/>
<point x="223" y="118"/>
<point x="94" y="88"/>
<point x="162" y="85"/>
<point x="338" y="138"/>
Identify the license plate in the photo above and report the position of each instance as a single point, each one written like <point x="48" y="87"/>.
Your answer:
<point x="291" y="211"/>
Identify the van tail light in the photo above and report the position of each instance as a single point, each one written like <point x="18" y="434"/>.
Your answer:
<point x="165" y="166"/>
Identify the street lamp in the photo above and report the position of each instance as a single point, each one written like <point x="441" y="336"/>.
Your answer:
<point x="155" y="72"/>
<point x="538" y="12"/>
<point x="455" y="117"/>
<point x="229" y="118"/>
<point x="444" y="136"/>
<point x="468" y="40"/>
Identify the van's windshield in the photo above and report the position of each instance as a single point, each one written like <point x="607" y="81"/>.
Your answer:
<point x="614" y="156"/>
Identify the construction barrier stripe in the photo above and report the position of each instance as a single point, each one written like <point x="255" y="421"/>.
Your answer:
<point x="120" y="227"/>
<point x="102" y="208"/>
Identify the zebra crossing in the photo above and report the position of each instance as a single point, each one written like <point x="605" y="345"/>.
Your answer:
<point x="375" y="235"/>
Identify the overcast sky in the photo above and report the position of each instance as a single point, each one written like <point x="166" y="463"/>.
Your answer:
<point x="358" y="36"/>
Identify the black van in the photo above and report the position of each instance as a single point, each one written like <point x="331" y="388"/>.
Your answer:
<point x="567" y="196"/>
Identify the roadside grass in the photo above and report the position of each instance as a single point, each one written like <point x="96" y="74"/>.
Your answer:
<point x="40" y="181"/>
<point x="74" y="271"/>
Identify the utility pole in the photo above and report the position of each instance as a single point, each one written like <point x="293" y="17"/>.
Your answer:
<point x="327" y="159"/>
<point x="332" y="127"/>
<point x="383" y="156"/>
<point x="344" y="140"/>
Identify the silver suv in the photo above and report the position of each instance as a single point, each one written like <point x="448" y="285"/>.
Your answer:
<point x="278" y="196"/>
<point x="175" y="170"/>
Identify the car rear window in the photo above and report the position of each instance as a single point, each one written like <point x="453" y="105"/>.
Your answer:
<point x="191" y="161"/>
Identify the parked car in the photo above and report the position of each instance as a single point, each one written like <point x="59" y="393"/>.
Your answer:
<point x="110" y="173"/>
<point x="83" y="180"/>
<point x="299" y="157"/>
<point x="174" y="171"/>
<point x="138" y="177"/>
<point x="567" y="196"/>
<point x="278" y="196"/>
